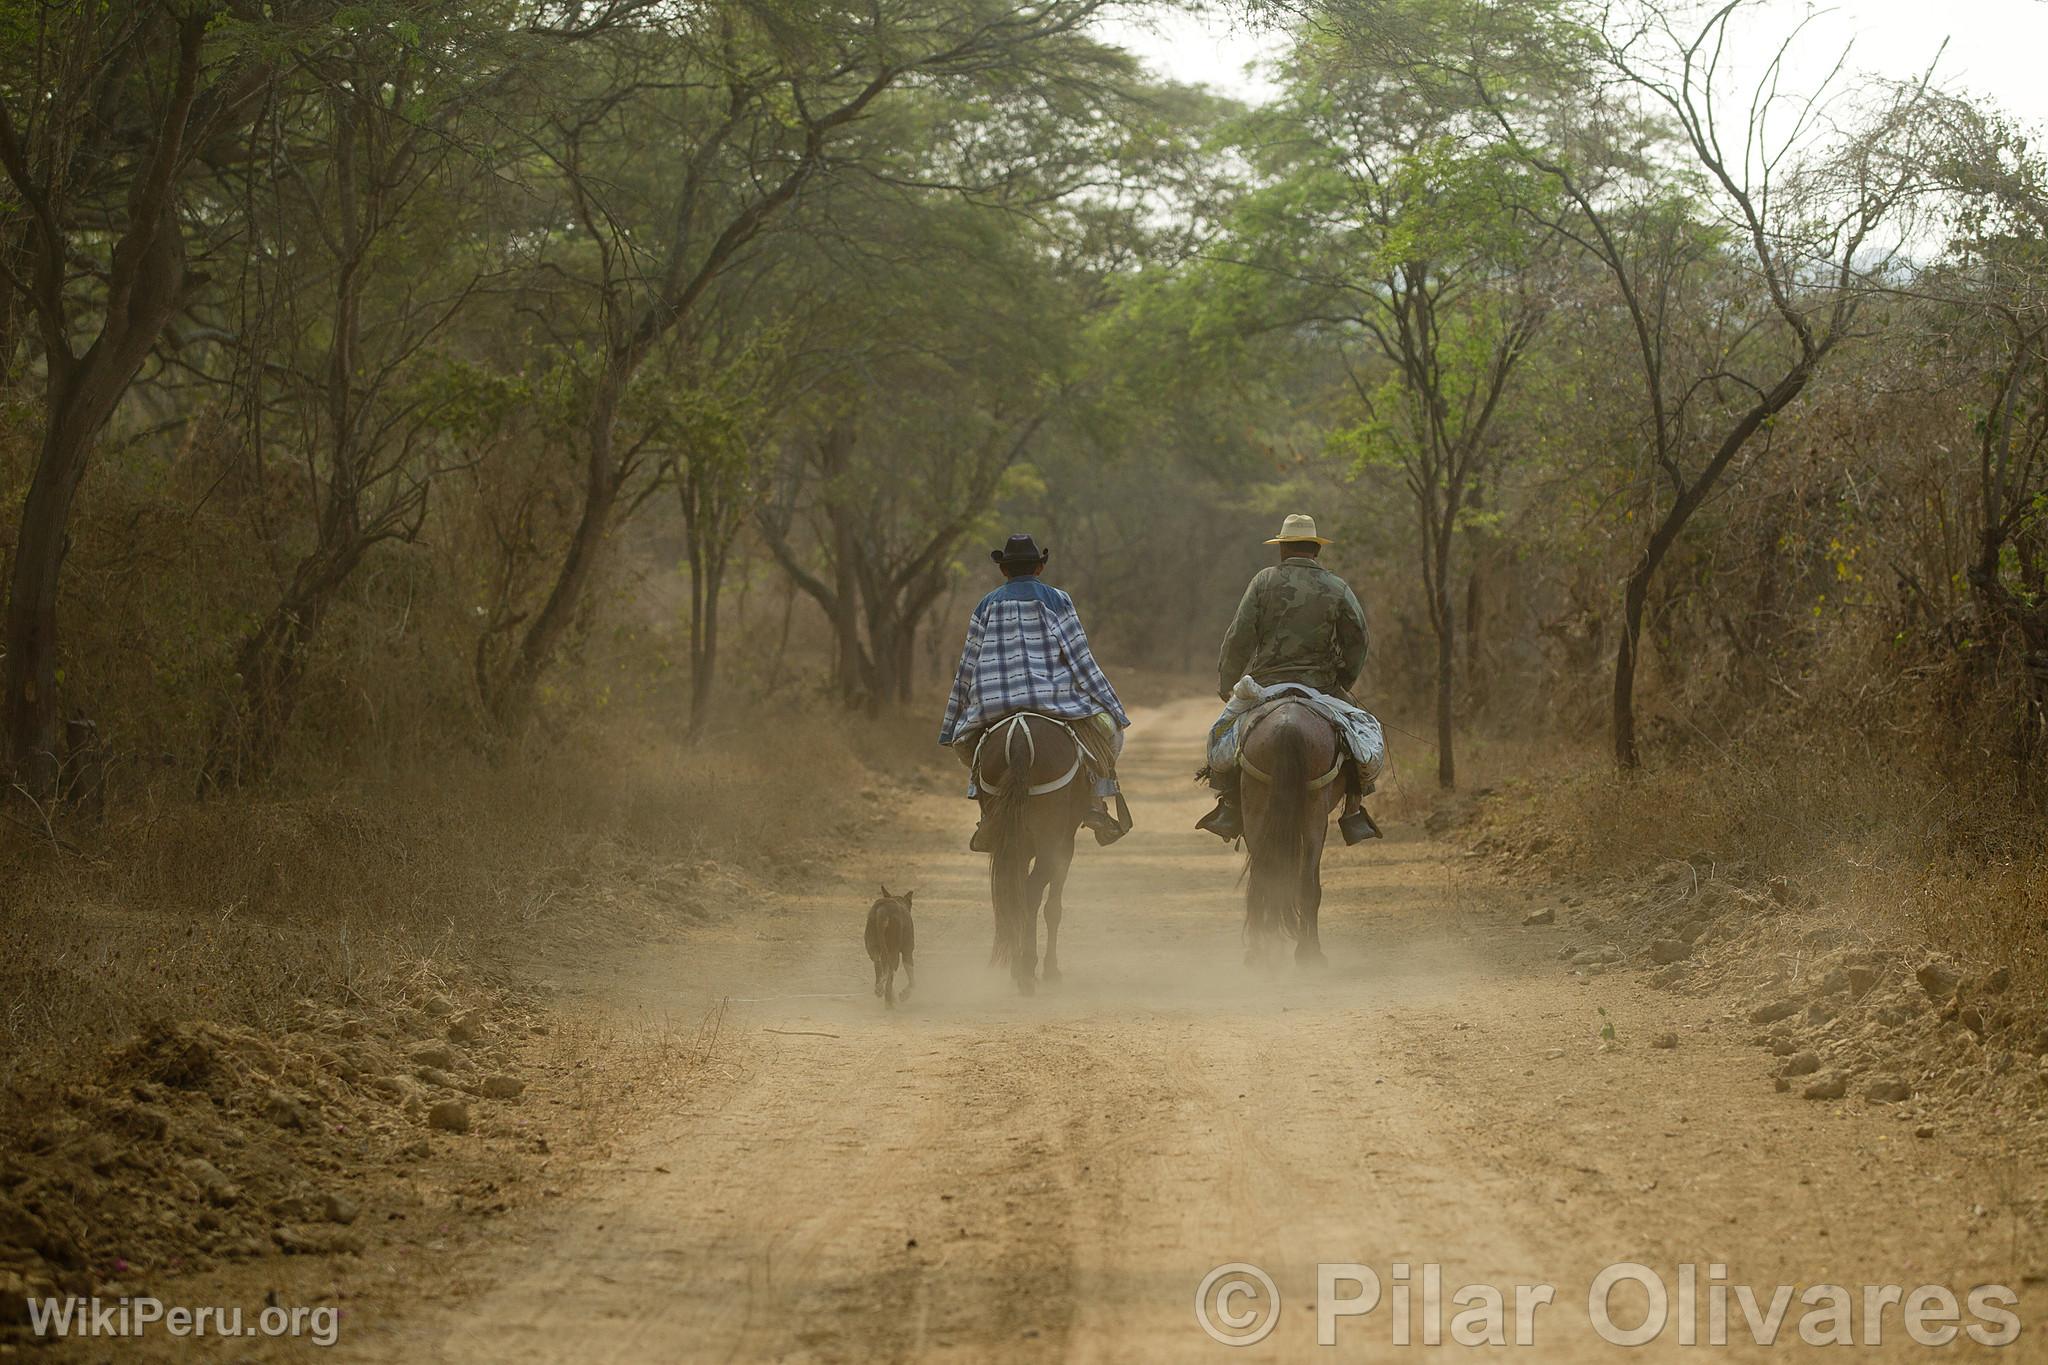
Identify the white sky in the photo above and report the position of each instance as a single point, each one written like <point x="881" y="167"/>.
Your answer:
<point x="1997" y="48"/>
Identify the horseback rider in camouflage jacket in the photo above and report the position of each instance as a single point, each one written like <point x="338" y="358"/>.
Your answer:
<point x="1297" y="623"/>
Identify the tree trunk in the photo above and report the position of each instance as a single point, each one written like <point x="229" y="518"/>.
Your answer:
<point x="1637" y="591"/>
<point x="1446" y="660"/>
<point x="31" y="706"/>
<point x="510" y="700"/>
<point x="270" y="664"/>
<point x="1634" y="595"/>
<point x="704" y="638"/>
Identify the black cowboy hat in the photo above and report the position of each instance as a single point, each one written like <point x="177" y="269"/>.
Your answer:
<point x="1020" y="550"/>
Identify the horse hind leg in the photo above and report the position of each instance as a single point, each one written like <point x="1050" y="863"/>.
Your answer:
<point x="1308" y="952"/>
<point x="1024" y="934"/>
<point x="1060" y="862"/>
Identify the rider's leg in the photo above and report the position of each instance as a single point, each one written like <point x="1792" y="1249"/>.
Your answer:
<point x="1355" y="825"/>
<point x="1108" y="828"/>
<point x="1226" y="822"/>
<point x="963" y="748"/>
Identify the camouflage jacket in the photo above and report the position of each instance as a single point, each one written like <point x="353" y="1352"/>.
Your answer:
<point x="1298" y="623"/>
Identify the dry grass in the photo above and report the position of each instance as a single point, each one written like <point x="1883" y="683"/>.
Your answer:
<point x="1892" y="844"/>
<point x="238" y="909"/>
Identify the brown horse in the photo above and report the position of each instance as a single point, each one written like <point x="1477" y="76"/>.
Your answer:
<point x="1291" y="768"/>
<point x="1034" y="790"/>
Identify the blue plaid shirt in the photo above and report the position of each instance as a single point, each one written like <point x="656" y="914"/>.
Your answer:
<point x="1026" y="651"/>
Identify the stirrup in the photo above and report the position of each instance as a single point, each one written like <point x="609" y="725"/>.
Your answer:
<point x="1224" y="822"/>
<point x="1357" y="827"/>
<point x="1108" y="829"/>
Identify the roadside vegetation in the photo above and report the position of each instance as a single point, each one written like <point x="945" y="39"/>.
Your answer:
<point x="473" y="475"/>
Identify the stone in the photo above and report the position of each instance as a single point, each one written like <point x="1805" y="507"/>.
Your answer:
<point x="336" y="1207"/>
<point x="1544" y="916"/>
<point x="450" y="1116"/>
<point x="1887" y="1090"/>
<point x="1600" y="956"/>
<point x="214" y="1186"/>
<point x="1665" y="1041"/>
<point x="1831" y="1086"/>
<point x="20" y="1228"/>
<point x="1938" y="978"/>
<point x="285" y="1110"/>
<point x="1774" y="1011"/>
<point x="435" y="1078"/>
<point x="1801" y="1064"/>
<point x="1669" y="950"/>
<point x="436" y="1055"/>
<point x="311" y="1239"/>
<point x="149" y="1122"/>
<point x="466" y="1027"/>
<point x="397" y="1089"/>
<point x="503" y="1087"/>
<point x="437" y="1005"/>
<point x="1861" y="978"/>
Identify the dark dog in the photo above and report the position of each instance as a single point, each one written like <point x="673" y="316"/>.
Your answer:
<point x="892" y="941"/>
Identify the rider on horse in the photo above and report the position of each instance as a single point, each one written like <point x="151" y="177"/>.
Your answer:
<point x="1026" y="651"/>
<point x="1298" y="623"/>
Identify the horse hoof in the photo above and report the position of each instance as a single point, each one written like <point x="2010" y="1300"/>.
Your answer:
<point x="1050" y="976"/>
<point x="1308" y="955"/>
<point x="1026" y="986"/>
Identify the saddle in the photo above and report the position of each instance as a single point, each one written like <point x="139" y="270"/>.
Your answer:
<point x="1357" y="826"/>
<point x="1016" y="718"/>
<point x="1251" y="721"/>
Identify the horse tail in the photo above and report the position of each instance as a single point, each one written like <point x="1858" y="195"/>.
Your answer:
<point x="1009" y="850"/>
<point x="1280" y="843"/>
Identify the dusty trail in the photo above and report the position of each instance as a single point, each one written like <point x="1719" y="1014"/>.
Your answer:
<point x="979" y="1176"/>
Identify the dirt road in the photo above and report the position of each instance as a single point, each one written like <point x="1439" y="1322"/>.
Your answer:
<point x="979" y="1176"/>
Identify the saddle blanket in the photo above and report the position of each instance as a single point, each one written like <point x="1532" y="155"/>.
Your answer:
<point x="1357" y="729"/>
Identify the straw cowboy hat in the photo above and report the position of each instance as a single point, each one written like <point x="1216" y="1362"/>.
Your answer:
<point x="1298" y="526"/>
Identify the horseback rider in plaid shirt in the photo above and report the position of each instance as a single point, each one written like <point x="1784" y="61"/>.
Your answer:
<point x="1026" y="651"/>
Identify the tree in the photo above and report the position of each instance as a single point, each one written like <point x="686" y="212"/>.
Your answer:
<point x="1798" y="215"/>
<point x="105" y="112"/>
<point x="1387" y="222"/>
<point x="698" y="132"/>
<point x="365" y="242"/>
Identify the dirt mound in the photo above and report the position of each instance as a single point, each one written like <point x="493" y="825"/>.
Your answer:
<point x="197" y="1142"/>
<point x="1844" y="1011"/>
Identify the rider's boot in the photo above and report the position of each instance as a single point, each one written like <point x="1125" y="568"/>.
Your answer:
<point x="1226" y="822"/>
<point x="1355" y="825"/>
<point x="1108" y="828"/>
<point x="980" y="843"/>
